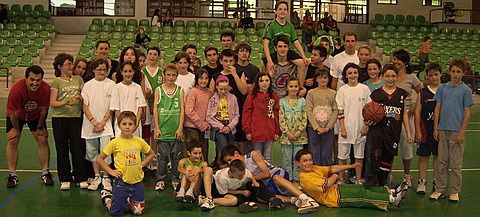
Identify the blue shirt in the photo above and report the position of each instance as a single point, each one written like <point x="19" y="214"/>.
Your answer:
<point x="454" y="99"/>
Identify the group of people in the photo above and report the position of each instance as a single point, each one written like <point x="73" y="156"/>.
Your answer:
<point x="311" y="106"/>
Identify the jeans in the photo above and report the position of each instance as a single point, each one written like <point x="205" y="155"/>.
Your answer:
<point x="223" y="140"/>
<point x="122" y="191"/>
<point x="168" y="150"/>
<point x="320" y="145"/>
<point x="265" y="148"/>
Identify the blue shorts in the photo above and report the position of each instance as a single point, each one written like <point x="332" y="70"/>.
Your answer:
<point x="121" y="192"/>
<point x="270" y="184"/>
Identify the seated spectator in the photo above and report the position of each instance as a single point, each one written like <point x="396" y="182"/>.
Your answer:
<point x="309" y="28"/>
<point x="236" y="19"/>
<point x="295" y="20"/>
<point x="3" y="15"/>
<point x="142" y="39"/>
<point x="330" y="24"/>
<point x="247" y="21"/>
<point x="168" y="18"/>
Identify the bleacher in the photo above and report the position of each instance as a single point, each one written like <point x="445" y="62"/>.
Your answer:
<point x="22" y="39"/>
<point x="121" y="33"/>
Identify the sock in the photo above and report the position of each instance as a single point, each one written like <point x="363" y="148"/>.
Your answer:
<point x="97" y="175"/>
<point x="44" y="172"/>
<point x="189" y="192"/>
<point x="303" y="197"/>
<point x="14" y="173"/>
<point x="182" y="190"/>
<point x="391" y="198"/>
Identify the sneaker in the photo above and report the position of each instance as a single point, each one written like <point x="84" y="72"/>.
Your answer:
<point x="437" y="195"/>
<point x="421" y="187"/>
<point x="341" y="181"/>
<point x="179" y="197"/>
<point x="189" y="198"/>
<point x="207" y="204"/>
<point x="160" y="186"/>
<point x="200" y="200"/>
<point x="107" y="183"/>
<point x="106" y="196"/>
<point x="275" y="203"/>
<point x="403" y="187"/>
<point x="408" y="179"/>
<point x="306" y="206"/>
<point x="47" y="179"/>
<point x="248" y="207"/>
<point x="64" y="186"/>
<point x="389" y="180"/>
<point x="397" y="199"/>
<point x="95" y="183"/>
<point x="360" y="182"/>
<point x="12" y="181"/>
<point x="454" y="197"/>
<point x="83" y="185"/>
<point x="352" y="179"/>
<point x="175" y="184"/>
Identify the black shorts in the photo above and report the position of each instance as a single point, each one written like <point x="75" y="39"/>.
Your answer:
<point x="291" y="55"/>
<point x="32" y="124"/>
<point x="427" y="149"/>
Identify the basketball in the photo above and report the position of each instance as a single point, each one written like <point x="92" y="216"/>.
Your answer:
<point x="373" y="111"/>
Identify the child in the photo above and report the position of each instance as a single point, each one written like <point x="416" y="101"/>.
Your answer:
<point x="350" y="100"/>
<point x="128" y="173"/>
<point x="196" y="126"/>
<point x="424" y="126"/>
<point x="322" y="183"/>
<point x="141" y="59"/>
<point x="185" y="79"/>
<point x="236" y="186"/>
<point x="222" y="114"/>
<point x="451" y="117"/>
<point x="322" y="114"/>
<point x="424" y="51"/>
<point x="385" y="135"/>
<point x="374" y="67"/>
<point x="168" y="117"/>
<point x="190" y="170"/>
<point x="97" y="128"/>
<point x="293" y="121"/>
<point x="260" y="116"/>
<point x="141" y="39"/>
<point x="128" y="96"/>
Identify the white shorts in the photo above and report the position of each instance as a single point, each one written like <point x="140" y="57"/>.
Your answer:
<point x="95" y="146"/>
<point x="358" y="149"/>
<point x="406" y="149"/>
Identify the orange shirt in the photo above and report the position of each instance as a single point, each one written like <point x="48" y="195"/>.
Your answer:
<point x="314" y="183"/>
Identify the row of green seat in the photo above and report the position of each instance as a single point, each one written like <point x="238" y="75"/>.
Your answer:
<point x="399" y="20"/>
<point x="26" y="27"/>
<point x="17" y="12"/>
<point x="18" y="34"/>
<point x="11" y="61"/>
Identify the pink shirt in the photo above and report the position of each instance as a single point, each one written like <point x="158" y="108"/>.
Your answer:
<point x="196" y="108"/>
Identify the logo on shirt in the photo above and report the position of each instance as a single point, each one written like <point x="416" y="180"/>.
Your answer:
<point x="130" y="157"/>
<point x="271" y="102"/>
<point x="30" y="106"/>
<point x="281" y="81"/>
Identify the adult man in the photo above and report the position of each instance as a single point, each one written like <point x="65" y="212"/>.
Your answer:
<point x="341" y="59"/>
<point x="213" y="67"/>
<point x="28" y="103"/>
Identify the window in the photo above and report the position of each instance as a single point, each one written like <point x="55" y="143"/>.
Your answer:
<point x="179" y="8"/>
<point x="93" y="7"/>
<point x="353" y="11"/>
<point x="432" y="2"/>
<point x="388" y="2"/>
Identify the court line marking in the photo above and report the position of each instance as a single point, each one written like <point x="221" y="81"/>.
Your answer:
<point x="20" y="189"/>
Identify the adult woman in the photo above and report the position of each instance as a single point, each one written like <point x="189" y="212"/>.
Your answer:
<point x="142" y="39"/>
<point x="102" y="48"/>
<point x="168" y="18"/>
<point x="157" y="18"/>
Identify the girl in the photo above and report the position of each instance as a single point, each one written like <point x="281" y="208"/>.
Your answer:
<point x="191" y="170"/>
<point x="66" y="103"/>
<point x="129" y="54"/>
<point x="97" y="128"/>
<point x="128" y="96"/>
<point x="141" y="39"/>
<point x="409" y="82"/>
<point x="222" y="114"/>
<point x="350" y="100"/>
<point x="196" y="125"/>
<point x="260" y="116"/>
<point x="80" y="69"/>
<point x="385" y="135"/>
<point x="374" y="67"/>
<point x="185" y="79"/>
<point x="293" y="121"/>
<point x="168" y="18"/>
<point x="157" y="18"/>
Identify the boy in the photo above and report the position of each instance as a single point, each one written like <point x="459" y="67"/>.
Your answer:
<point x="284" y="69"/>
<point x="273" y="177"/>
<point x="424" y="126"/>
<point x="237" y="181"/>
<point x="213" y="67"/>
<point x="96" y="127"/>
<point x="451" y="117"/>
<point x="238" y="83"/>
<point x="322" y="114"/>
<point x="168" y="117"/>
<point x="128" y="186"/>
<point x="228" y="40"/>
<point x="195" y="62"/>
<point x="319" y="56"/>
<point x="321" y="182"/>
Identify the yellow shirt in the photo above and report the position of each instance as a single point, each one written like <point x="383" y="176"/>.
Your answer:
<point x="222" y="110"/>
<point x="314" y="183"/>
<point x="126" y="153"/>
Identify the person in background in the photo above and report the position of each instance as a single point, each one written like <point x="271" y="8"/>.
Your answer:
<point x="337" y="46"/>
<point x="157" y="18"/>
<point x="295" y="20"/>
<point x="3" y="15"/>
<point x="168" y="18"/>
<point x="142" y="39"/>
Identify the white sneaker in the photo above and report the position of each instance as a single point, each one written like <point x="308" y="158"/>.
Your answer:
<point x="421" y="187"/>
<point x="160" y="186"/>
<point x="436" y="195"/>
<point x="207" y="204"/>
<point x="454" y="197"/>
<point x="175" y="184"/>
<point x="107" y="183"/>
<point x="95" y="183"/>
<point x="180" y="196"/>
<point x="83" y="185"/>
<point x="408" y="179"/>
<point x="306" y="206"/>
<point x="65" y="186"/>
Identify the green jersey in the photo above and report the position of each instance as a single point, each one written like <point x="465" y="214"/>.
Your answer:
<point x="67" y="90"/>
<point x="155" y="80"/>
<point x="168" y="108"/>
<point x="275" y="29"/>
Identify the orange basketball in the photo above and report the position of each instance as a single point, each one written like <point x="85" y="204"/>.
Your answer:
<point x="373" y="111"/>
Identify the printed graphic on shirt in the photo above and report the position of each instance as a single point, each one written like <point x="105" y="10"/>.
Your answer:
<point x="131" y="157"/>
<point x="271" y="102"/>
<point x="281" y="81"/>
<point x="30" y="106"/>
<point x="322" y="115"/>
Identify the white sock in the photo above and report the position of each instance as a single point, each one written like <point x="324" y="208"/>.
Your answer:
<point x="181" y="190"/>
<point x="303" y="197"/>
<point x="189" y="192"/>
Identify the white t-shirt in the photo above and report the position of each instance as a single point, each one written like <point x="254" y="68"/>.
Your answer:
<point x="224" y="183"/>
<point x="186" y="82"/>
<point x="97" y="95"/>
<point x="352" y="100"/>
<point x="338" y="63"/>
<point x="127" y="98"/>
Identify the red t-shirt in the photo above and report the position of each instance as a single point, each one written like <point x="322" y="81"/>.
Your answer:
<point x="27" y="103"/>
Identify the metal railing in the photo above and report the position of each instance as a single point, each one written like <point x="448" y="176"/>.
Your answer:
<point x="463" y="16"/>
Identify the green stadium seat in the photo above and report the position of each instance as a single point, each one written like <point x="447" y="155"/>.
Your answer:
<point x="202" y="23"/>
<point x="15" y="7"/>
<point x="5" y="50"/>
<point x="27" y="7"/>
<point x="23" y="27"/>
<point x="88" y="43"/>
<point x="44" y="34"/>
<point x="34" y="15"/>
<point x="94" y="28"/>
<point x="399" y="20"/>
<point x="17" y="34"/>
<point x="179" y="29"/>
<point x="178" y="23"/>
<point x="11" y="26"/>
<point x="132" y="22"/>
<point x="260" y="32"/>
<point x="168" y="37"/>
<point x="25" y="42"/>
<point x="191" y="30"/>
<point x="155" y="29"/>
<point x="84" y="51"/>
<point x="37" y="27"/>
<point x="204" y="37"/>
<point x="215" y="31"/>
<point x="239" y="31"/>
<point x="18" y="51"/>
<point x="11" y="42"/>
<point x="333" y="33"/>
<point x="92" y="35"/>
<point x="203" y="30"/>
<point x="30" y="34"/>
<point x="12" y="60"/>
<point x="389" y="18"/>
<point x="191" y="23"/>
<point x="107" y="28"/>
<point x="155" y="37"/>
<point x="33" y="51"/>
<point x="121" y="22"/>
<point x="42" y="20"/>
<point x="104" y="35"/>
<point x="191" y="38"/>
<point x="39" y="42"/>
<point x="165" y="44"/>
<point x="260" y="25"/>
<point x="144" y="22"/>
<point x="47" y="15"/>
<point x="119" y="28"/>
<point x="49" y="28"/>
<point x="131" y="28"/>
<point x="409" y="20"/>
<point x="167" y="29"/>
<point x="117" y="35"/>
<point x="4" y="71"/>
<point x="226" y="24"/>
<point x="253" y="39"/>
<point x="214" y="24"/>
<point x="4" y="34"/>
<point x="38" y="8"/>
<point x="114" y="43"/>
<point x="251" y="31"/>
<point x="130" y="35"/>
<point x="126" y="43"/>
<point x="109" y="22"/>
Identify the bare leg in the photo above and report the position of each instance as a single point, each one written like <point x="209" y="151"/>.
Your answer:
<point x="358" y="170"/>
<point x="422" y="167"/>
<point x="341" y="173"/>
<point x="228" y="200"/>
<point x="43" y="152"/>
<point x="12" y="155"/>
<point x="207" y="181"/>
<point x="406" y="166"/>
<point x="287" y="185"/>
